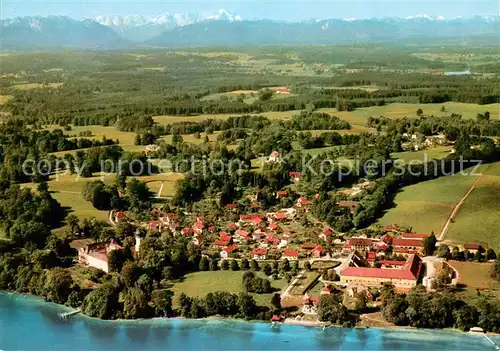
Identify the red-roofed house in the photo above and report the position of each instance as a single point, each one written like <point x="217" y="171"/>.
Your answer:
<point x="290" y="254"/>
<point x="259" y="253"/>
<point x="186" y="231"/>
<point x="222" y="243"/>
<point x="120" y="216"/>
<point x="274" y="157"/>
<point x="232" y="206"/>
<point x="228" y="250"/>
<point x="211" y="228"/>
<point x="232" y="226"/>
<point x="362" y="244"/>
<point x="403" y="278"/>
<point x="472" y="247"/>
<point x="412" y="245"/>
<point x="274" y="227"/>
<point x="284" y="91"/>
<point x="302" y="202"/>
<point x="251" y="219"/>
<point x="327" y="232"/>
<point x="198" y="227"/>
<point x="391" y="228"/>
<point x="154" y="225"/>
<point x="281" y="194"/>
<point x="294" y="176"/>
<point x="414" y="236"/>
<point x="317" y="251"/>
<point x="370" y="256"/>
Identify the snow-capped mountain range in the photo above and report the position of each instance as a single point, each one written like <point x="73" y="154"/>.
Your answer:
<point x="140" y="28"/>
<point x="226" y="28"/>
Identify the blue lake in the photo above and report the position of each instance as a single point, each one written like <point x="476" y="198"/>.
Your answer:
<point x="28" y="323"/>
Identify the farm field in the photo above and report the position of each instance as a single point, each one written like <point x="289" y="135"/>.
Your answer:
<point x="478" y="218"/>
<point x="166" y="119"/>
<point x="426" y="206"/>
<point x="200" y="283"/>
<point x="29" y="86"/>
<point x="398" y="110"/>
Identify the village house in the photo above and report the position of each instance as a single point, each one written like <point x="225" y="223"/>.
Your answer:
<point x="281" y="194"/>
<point x="274" y="157"/>
<point x="326" y="234"/>
<point x="282" y="91"/>
<point x="251" y="219"/>
<point x="405" y="277"/>
<point x="290" y="254"/>
<point x="295" y="176"/>
<point x="351" y="205"/>
<point x="473" y="247"/>
<point x="120" y="216"/>
<point x="151" y="149"/>
<point x="310" y="304"/>
<point x="317" y="251"/>
<point x="302" y="202"/>
<point x="407" y="246"/>
<point x="226" y="252"/>
<point x="259" y="253"/>
<point x="353" y="244"/>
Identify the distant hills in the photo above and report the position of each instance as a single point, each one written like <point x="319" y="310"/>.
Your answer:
<point x="224" y="28"/>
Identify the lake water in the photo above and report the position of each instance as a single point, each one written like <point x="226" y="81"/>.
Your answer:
<point x="27" y="323"/>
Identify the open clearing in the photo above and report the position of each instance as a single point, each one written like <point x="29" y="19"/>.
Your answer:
<point x="67" y="190"/>
<point x="29" y="86"/>
<point x="433" y="153"/>
<point x="478" y="219"/>
<point x="200" y="283"/>
<point x="475" y="275"/>
<point x="167" y="119"/>
<point x="4" y="99"/>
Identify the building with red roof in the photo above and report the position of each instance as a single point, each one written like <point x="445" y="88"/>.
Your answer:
<point x="370" y="256"/>
<point x="154" y="225"/>
<point x="281" y="194"/>
<point x="120" y="216"/>
<point x="232" y="206"/>
<point x="290" y="254"/>
<point x="414" y="236"/>
<point x="259" y="253"/>
<point x="302" y="202"/>
<point x="362" y="244"/>
<point x="317" y="251"/>
<point x="228" y="250"/>
<point x="391" y="228"/>
<point x="412" y="245"/>
<point x="252" y="219"/>
<point x="232" y="226"/>
<point x="405" y="277"/>
<point x="392" y="263"/>
<point x="473" y="247"/>
<point x="351" y="205"/>
<point x="326" y="233"/>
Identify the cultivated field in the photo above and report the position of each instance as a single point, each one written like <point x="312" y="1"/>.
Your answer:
<point x="200" y="283"/>
<point x="398" y="110"/>
<point x="29" y="86"/>
<point x="426" y="206"/>
<point x="478" y="219"/>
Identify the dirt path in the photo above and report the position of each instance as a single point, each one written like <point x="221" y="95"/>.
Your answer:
<point x="159" y="191"/>
<point x="457" y="207"/>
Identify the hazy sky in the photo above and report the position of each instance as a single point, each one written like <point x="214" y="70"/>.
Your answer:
<point x="292" y="10"/>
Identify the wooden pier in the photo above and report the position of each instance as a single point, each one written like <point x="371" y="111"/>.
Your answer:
<point x="66" y="315"/>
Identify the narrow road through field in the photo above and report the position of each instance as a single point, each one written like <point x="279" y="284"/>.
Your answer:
<point x="457" y="208"/>
<point x="159" y="191"/>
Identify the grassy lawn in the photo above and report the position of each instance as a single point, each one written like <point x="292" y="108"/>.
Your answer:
<point x="479" y="216"/>
<point x="4" y="99"/>
<point x="438" y="152"/>
<point x="475" y="275"/>
<point x="66" y="189"/>
<point x="303" y="283"/>
<point x="201" y="283"/>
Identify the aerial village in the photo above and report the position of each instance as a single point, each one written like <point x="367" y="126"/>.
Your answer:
<point x="328" y="260"/>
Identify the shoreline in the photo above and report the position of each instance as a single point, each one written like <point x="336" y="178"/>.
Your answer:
<point x="287" y="321"/>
